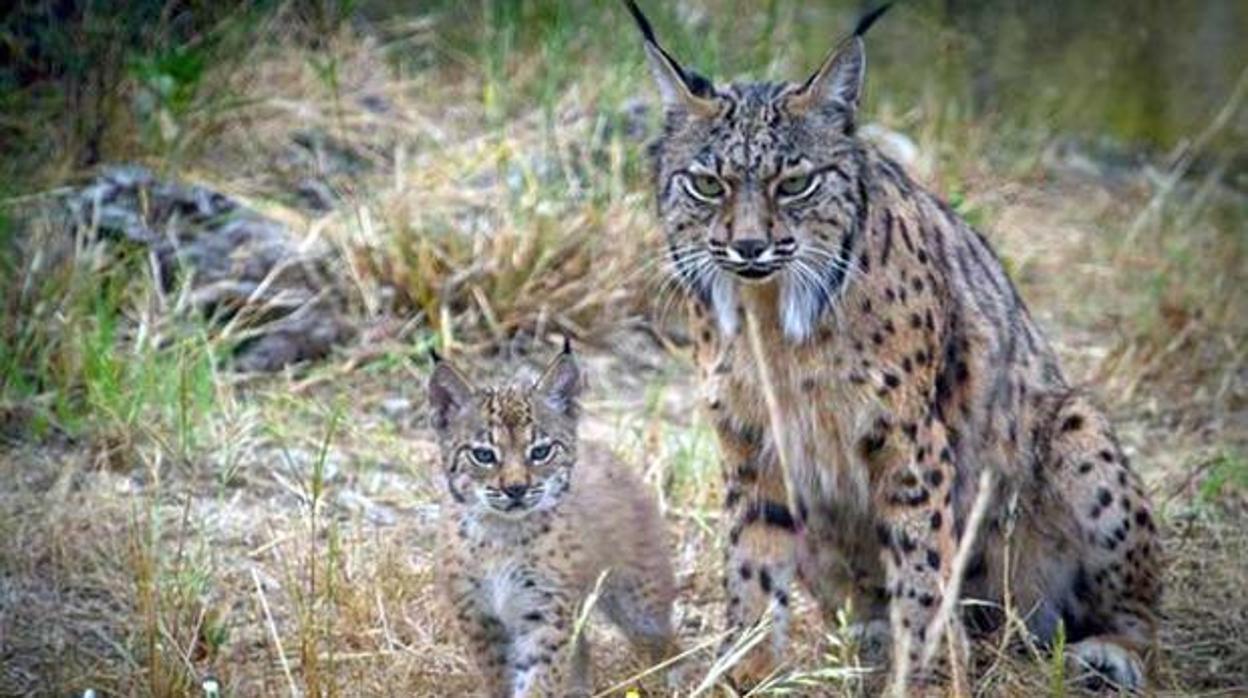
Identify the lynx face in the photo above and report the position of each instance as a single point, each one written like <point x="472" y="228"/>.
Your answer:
<point x="760" y="183"/>
<point x="510" y="450"/>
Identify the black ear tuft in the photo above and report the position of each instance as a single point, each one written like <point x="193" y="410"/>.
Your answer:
<point x="868" y="19"/>
<point x="838" y="82"/>
<point x="567" y="344"/>
<point x="698" y="85"/>
<point x="647" y="31"/>
<point x="680" y="88"/>
<point x="434" y="356"/>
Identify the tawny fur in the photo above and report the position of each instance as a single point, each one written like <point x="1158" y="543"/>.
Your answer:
<point x="904" y="364"/>
<point x="515" y="570"/>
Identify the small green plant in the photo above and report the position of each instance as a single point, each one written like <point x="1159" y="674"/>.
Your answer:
<point x="1229" y="472"/>
<point x="1057" y="663"/>
<point x="314" y="578"/>
<point x="171" y="587"/>
<point x="969" y="210"/>
<point x="170" y="84"/>
<point x="70" y="348"/>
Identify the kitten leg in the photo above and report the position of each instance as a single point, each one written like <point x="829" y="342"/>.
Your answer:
<point x="488" y="640"/>
<point x="546" y="660"/>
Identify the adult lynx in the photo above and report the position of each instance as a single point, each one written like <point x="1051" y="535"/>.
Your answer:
<point x="901" y="364"/>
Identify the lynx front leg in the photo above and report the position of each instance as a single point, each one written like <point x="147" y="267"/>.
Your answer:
<point x="487" y="637"/>
<point x="918" y="545"/>
<point x="760" y="561"/>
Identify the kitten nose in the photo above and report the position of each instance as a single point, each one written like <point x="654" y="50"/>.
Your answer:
<point x="750" y="248"/>
<point x="515" y="491"/>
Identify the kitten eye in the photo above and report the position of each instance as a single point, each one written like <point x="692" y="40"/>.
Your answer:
<point x="797" y="186"/>
<point x="540" y="453"/>
<point x="706" y="187"/>
<point x="484" y="456"/>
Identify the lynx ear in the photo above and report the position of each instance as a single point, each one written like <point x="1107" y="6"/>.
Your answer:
<point x="449" y="394"/>
<point x="679" y="88"/>
<point x="560" y="385"/>
<point x="838" y="82"/>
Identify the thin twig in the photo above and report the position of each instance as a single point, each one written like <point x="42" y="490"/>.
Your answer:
<point x="277" y="641"/>
<point x="740" y="649"/>
<point x="774" y="414"/>
<point x="582" y="618"/>
<point x="700" y="647"/>
<point x="954" y="588"/>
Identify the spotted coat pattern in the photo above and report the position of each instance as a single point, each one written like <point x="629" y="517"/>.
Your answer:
<point x="904" y="364"/>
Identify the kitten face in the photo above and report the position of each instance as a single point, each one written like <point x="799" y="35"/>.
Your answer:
<point x="507" y="450"/>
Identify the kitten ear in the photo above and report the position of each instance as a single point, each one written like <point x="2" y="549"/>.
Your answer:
<point x="679" y="88"/>
<point x="560" y="385"/>
<point x="449" y="394"/>
<point x="838" y="82"/>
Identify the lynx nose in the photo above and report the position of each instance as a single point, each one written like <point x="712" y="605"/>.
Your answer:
<point x="750" y="249"/>
<point x="515" y="491"/>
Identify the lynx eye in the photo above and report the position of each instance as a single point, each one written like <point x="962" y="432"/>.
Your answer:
<point x="484" y="456"/>
<point x="797" y="186"/>
<point x="705" y="187"/>
<point x="540" y="453"/>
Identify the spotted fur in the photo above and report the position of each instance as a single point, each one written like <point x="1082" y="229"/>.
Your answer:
<point x="534" y="519"/>
<point x="904" y="364"/>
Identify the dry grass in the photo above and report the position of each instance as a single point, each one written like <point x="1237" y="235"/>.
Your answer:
<point x="275" y="532"/>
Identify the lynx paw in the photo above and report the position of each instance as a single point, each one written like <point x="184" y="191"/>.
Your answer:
<point x="873" y="638"/>
<point x="752" y="670"/>
<point x="1108" y="662"/>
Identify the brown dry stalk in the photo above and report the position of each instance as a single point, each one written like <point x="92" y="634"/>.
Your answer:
<point x="631" y="681"/>
<point x="953" y="590"/>
<point x="774" y="414"/>
<point x="1185" y="159"/>
<point x="277" y="640"/>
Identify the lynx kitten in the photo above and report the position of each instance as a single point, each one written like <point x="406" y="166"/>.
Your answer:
<point x="534" y="520"/>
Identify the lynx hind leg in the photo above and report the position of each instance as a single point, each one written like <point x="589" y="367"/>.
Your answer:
<point x="1109" y="604"/>
<point x="641" y="607"/>
<point x="579" y="681"/>
<point x="642" y="610"/>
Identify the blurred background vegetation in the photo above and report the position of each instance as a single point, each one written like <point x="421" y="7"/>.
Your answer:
<point x="473" y="175"/>
<point x="442" y="119"/>
<point x="118" y="79"/>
